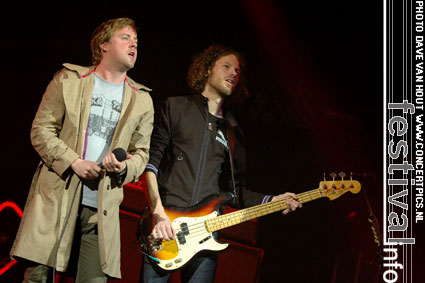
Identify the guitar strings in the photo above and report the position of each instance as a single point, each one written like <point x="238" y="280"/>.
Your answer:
<point x="241" y="216"/>
<point x="254" y="212"/>
<point x="261" y="210"/>
<point x="258" y="210"/>
<point x="197" y="229"/>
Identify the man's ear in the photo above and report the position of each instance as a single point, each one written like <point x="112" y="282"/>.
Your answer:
<point x="104" y="47"/>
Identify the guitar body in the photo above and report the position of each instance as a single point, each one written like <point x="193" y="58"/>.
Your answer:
<point x="192" y="235"/>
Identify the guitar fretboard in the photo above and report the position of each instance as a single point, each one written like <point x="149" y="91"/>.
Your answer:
<point x="236" y="217"/>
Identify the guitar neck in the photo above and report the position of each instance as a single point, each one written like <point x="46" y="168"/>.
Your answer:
<point x="237" y="217"/>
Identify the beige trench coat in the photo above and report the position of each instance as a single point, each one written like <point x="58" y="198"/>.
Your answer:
<point x="58" y="135"/>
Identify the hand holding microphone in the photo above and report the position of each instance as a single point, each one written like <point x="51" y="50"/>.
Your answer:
<point x="113" y="162"/>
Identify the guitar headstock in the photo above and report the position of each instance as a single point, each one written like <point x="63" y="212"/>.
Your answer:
<point x="335" y="188"/>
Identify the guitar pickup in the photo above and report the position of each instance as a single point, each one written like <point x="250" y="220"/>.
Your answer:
<point x="181" y="238"/>
<point x="184" y="229"/>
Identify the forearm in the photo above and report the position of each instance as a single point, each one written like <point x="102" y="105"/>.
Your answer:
<point x="154" y="198"/>
<point x="162" y="227"/>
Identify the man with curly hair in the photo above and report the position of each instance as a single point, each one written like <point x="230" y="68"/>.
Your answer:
<point x="197" y="151"/>
<point x="72" y="210"/>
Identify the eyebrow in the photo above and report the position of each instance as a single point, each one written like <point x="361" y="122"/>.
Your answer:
<point x="129" y="35"/>
<point x="228" y="63"/>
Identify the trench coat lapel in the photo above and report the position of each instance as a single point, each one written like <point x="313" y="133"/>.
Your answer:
<point x="87" y="90"/>
<point x="125" y="103"/>
<point x="77" y="98"/>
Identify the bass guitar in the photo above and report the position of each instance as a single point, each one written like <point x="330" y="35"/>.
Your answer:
<point x="195" y="226"/>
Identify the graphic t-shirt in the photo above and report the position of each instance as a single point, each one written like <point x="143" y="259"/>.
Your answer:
<point x="104" y="114"/>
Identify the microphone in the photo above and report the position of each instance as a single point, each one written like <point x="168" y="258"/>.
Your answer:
<point x="120" y="155"/>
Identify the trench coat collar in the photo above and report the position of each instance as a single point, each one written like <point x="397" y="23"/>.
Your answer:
<point x="130" y="88"/>
<point x="84" y="71"/>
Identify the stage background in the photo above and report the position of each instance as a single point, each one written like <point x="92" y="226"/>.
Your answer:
<point x="315" y="75"/>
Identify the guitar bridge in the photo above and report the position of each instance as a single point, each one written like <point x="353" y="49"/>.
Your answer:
<point x="154" y="244"/>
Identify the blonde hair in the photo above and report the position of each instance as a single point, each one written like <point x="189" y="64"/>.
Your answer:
<point x="103" y="34"/>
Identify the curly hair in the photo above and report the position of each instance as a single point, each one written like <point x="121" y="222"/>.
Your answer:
<point x="104" y="32"/>
<point x="197" y="75"/>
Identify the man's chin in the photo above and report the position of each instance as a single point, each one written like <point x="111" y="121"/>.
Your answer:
<point x="226" y="92"/>
<point x="129" y="64"/>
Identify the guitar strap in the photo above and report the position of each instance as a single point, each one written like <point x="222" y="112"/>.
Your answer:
<point x="231" y="140"/>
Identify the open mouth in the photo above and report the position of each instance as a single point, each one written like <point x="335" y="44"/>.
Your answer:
<point x="230" y="82"/>
<point x="132" y="54"/>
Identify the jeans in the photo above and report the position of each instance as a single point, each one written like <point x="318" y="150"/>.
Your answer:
<point x="200" y="269"/>
<point x="89" y="268"/>
<point x="37" y="273"/>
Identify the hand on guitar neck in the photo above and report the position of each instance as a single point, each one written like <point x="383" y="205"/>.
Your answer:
<point x="291" y="201"/>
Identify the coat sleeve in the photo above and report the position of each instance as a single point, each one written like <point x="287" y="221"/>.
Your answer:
<point x="47" y="126"/>
<point x="139" y="144"/>
<point x="160" y="138"/>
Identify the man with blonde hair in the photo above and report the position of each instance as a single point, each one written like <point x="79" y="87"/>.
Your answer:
<point x="72" y="211"/>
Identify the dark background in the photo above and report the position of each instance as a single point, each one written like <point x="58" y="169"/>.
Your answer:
<point x="315" y="75"/>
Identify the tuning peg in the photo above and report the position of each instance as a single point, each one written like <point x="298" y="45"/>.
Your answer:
<point x="342" y="175"/>
<point x="351" y="176"/>
<point x="333" y="175"/>
<point x="324" y="176"/>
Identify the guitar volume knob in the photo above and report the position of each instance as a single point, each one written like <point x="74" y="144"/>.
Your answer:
<point x="178" y="260"/>
<point x="168" y="265"/>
